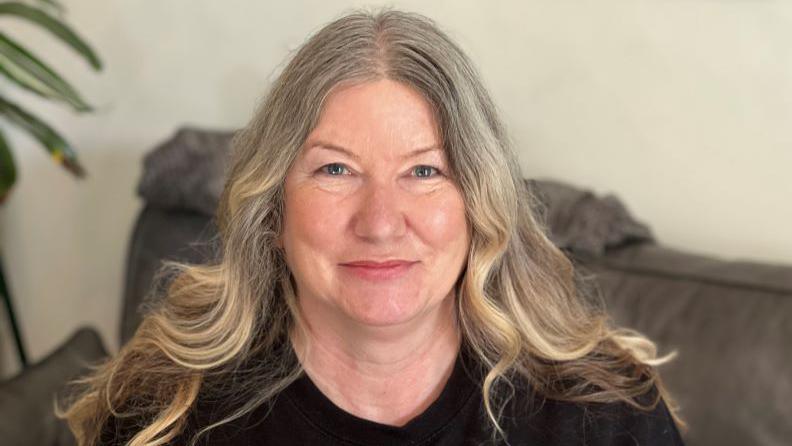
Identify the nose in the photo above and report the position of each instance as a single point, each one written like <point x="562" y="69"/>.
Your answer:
<point x="379" y="215"/>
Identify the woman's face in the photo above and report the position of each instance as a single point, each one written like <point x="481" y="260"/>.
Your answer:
<point x="377" y="202"/>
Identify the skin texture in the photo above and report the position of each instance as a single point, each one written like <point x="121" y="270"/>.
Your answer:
<point x="381" y="350"/>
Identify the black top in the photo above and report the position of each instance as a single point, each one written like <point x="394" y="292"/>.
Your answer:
<point x="303" y="415"/>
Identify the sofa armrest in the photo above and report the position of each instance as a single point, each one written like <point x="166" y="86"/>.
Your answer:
<point x="27" y="399"/>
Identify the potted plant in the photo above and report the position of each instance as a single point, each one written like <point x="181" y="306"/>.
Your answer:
<point x="26" y="70"/>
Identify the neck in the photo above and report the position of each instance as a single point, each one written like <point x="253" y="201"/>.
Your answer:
<point x="384" y="374"/>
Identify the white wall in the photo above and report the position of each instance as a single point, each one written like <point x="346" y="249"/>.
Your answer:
<point x="681" y="108"/>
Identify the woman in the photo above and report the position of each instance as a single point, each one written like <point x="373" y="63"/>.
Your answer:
<point x="383" y="280"/>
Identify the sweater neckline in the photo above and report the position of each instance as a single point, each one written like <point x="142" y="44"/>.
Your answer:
<point x="343" y="426"/>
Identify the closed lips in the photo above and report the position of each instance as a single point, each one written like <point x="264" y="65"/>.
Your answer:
<point x="370" y="264"/>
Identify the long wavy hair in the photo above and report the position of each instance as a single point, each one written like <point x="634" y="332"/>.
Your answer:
<point x="522" y="307"/>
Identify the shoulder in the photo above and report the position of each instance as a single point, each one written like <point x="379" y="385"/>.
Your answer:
<point x="550" y="421"/>
<point x="119" y="430"/>
<point x="622" y="423"/>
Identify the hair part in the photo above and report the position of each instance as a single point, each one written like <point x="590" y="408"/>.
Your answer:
<point x="521" y="303"/>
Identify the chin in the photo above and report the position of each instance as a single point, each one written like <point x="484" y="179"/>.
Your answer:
<point x="382" y="320"/>
<point x="384" y="312"/>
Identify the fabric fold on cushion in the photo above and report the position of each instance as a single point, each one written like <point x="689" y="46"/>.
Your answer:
<point x="187" y="171"/>
<point x="583" y="223"/>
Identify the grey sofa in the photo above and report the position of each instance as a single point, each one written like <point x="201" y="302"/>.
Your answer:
<point x="730" y="321"/>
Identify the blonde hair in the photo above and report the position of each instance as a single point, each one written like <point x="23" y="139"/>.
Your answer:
<point x="520" y="301"/>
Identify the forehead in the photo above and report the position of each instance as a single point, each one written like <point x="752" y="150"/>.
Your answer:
<point x="383" y="113"/>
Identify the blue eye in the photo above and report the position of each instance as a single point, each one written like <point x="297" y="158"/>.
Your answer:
<point x="338" y="169"/>
<point x="322" y="169"/>
<point x="430" y="167"/>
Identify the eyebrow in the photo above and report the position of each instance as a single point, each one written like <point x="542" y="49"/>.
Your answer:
<point x="337" y="148"/>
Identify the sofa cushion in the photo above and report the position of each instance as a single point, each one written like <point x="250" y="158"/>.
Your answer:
<point x="186" y="171"/>
<point x="160" y="234"/>
<point x="26" y="400"/>
<point x="581" y="222"/>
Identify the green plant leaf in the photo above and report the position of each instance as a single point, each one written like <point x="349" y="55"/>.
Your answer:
<point x="28" y="82"/>
<point x="7" y="168"/>
<point x="29" y="72"/>
<point x="58" y="148"/>
<point x="53" y="4"/>
<point x="54" y="26"/>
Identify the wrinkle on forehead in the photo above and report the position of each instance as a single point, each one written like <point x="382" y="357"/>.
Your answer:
<point x="383" y="116"/>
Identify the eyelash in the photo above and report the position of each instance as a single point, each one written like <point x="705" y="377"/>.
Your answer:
<point x="322" y="170"/>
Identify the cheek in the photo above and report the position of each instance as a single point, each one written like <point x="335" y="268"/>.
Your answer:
<point x="310" y="220"/>
<point x="442" y="220"/>
<point x="313" y="221"/>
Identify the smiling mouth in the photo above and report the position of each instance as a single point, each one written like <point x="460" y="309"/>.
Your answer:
<point x="375" y="264"/>
<point x="379" y="271"/>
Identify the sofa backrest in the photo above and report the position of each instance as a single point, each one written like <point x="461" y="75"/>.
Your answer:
<point x="731" y="325"/>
